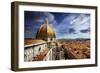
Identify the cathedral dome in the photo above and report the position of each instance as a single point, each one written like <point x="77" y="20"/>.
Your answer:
<point x="45" y="31"/>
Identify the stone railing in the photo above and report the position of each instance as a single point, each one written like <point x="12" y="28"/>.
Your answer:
<point x="48" y="57"/>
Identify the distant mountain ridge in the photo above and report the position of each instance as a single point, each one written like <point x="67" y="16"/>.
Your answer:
<point x="76" y="39"/>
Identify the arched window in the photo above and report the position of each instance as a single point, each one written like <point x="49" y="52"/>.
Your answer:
<point x="39" y="48"/>
<point x="51" y="39"/>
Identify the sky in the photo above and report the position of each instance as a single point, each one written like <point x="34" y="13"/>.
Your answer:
<point x="65" y="25"/>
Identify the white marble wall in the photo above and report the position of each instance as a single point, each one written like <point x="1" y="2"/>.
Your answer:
<point x="33" y="51"/>
<point x="49" y="40"/>
<point x="28" y="54"/>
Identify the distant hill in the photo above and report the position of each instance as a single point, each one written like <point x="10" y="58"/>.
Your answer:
<point x="73" y="39"/>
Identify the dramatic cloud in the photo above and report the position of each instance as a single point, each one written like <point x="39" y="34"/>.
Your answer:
<point x="71" y="30"/>
<point x="49" y="16"/>
<point x="85" y="30"/>
<point x="66" y="25"/>
<point x="74" y="25"/>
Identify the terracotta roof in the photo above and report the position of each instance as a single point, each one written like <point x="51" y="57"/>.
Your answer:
<point x="33" y="42"/>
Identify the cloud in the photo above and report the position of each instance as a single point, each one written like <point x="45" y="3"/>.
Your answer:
<point x="74" y="26"/>
<point x="66" y="25"/>
<point x="50" y="16"/>
<point x="51" y="19"/>
<point x="81" y="22"/>
<point x="71" y="30"/>
<point x="73" y="36"/>
<point x="33" y="20"/>
<point x="85" y="30"/>
<point x="81" y="18"/>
